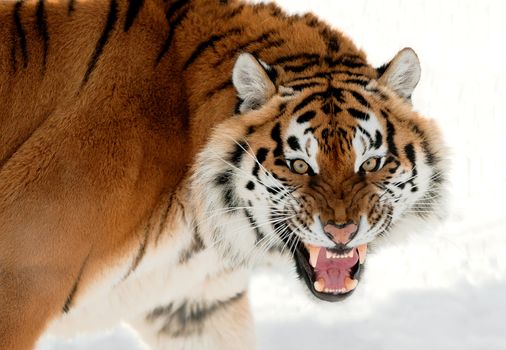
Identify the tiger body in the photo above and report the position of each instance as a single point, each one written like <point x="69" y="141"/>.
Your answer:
<point x="141" y="180"/>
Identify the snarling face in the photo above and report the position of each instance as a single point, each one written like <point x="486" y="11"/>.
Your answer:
<point x="320" y="167"/>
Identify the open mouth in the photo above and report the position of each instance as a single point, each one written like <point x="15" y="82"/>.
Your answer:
<point x="330" y="274"/>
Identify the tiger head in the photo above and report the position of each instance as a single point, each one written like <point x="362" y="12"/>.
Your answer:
<point x="317" y="167"/>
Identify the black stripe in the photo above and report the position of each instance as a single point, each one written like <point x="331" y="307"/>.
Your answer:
<point x="332" y="40"/>
<point x="197" y="245"/>
<point x="306" y="101"/>
<point x="237" y="153"/>
<point x="224" y="178"/>
<point x="275" y="43"/>
<point x="71" y="7"/>
<point x="276" y="136"/>
<point x="296" y="57"/>
<point x="298" y="68"/>
<point x="351" y="61"/>
<point x="244" y="47"/>
<point x="409" y="150"/>
<point x="293" y="142"/>
<point x="392" y="148"/>
<point x="381" y="70"/>
<point x="360" y="99"/>
<point x="254" y="225"/>
<point x="164" y="217"/>
<point x="20" y="33"/>
<point x="41" y="19"/>
<point x="301" y="86"/>
<point x="225" y="85"/>
<point x="176" y="5"/>
<point x="309" y="130"/>
<point x="142" y="249"/>
<point x="209" y="43"/>
<point x="229" y="197"/>
<point x="112" y="17"/>
<point x="134" y="7"/>
<point x="367" y="134"/>
<point x="379" y="140"/>
<point x="261" y="157"/>
<point x="336" y="93"/>
<point x="304" y="118"/>
<point x="170" y="35"/>
<point x="430" y="157"/>
<point x="235" y="11"/>
<point x="358" y="114"/>
<point x="357" y="81"/>
<point x="189" y="317"/>
<point x="73" y="290"/>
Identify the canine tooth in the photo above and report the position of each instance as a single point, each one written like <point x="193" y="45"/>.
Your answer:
<point x="319" y="284"/>
<point x="350" y="254"/>
<point x="313" y="254"/>
<point x="362" y="250"/>
<point x="350" y="283"/>
<point x="328" y="254"/>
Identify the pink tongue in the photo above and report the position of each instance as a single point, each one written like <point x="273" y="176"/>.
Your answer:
<point x="334" y="270"/>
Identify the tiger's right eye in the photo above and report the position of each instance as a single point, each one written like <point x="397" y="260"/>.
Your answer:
<point x="299" y="166"/>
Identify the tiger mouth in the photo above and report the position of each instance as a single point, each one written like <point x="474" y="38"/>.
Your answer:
<point x="330" y="274"/>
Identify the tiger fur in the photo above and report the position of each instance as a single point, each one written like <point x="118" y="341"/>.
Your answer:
<point x="153" y="152"/>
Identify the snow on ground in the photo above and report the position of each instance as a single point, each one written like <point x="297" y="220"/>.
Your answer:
<point x="445" y="288"/>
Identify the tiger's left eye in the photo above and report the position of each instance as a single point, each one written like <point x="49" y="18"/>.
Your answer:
<point x="300" y="167"/>
<point x="371" y="165"/>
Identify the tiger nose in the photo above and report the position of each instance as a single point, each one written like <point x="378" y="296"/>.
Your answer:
<point x="341" y="233"/>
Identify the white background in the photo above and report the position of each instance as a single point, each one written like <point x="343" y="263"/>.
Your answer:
<point x="444" y="288"/>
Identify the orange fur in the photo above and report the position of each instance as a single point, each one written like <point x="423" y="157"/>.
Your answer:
<point x="92" y="149"/>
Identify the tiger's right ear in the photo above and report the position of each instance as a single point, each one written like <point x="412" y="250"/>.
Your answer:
<point x="402" y="73"/>
<point x="253" y="82"/>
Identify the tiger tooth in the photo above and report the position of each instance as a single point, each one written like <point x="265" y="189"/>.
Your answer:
<point x="313" y="254"/>
<point x="350" y="254"/>
<point x="328" y="254"/>
<point x="362" y="250"/>
<point x="350" y="283"/>
<point x="319" y="285"/>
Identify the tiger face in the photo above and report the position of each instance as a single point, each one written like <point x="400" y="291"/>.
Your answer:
<point x="318" y="168"/>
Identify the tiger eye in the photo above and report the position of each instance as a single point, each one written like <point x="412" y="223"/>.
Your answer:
<point x="370" y="165"/>
<point x="300" y="167"/>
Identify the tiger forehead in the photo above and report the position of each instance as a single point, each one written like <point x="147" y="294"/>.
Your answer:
<point x="335" y="113"/>
<point x="332" y="99"/>
<point x="335" y="107"/>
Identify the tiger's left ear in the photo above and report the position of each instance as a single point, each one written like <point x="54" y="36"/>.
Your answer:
<point x="253" y="80"/>
<point x="402" y="73"/>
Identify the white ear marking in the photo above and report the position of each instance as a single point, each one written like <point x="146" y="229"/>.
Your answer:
<point x="253" y="85"/>
<point x="403" y="73"/>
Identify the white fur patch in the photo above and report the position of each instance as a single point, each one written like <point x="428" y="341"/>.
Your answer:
<point x="308" y="143"/>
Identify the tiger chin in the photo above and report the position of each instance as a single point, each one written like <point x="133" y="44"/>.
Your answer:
<point x="155" y="152"/>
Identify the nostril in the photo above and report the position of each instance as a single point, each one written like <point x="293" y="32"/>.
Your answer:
<point x="341" y="233"/>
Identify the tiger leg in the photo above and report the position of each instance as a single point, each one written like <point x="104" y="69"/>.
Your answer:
<point x="219" y="325"/>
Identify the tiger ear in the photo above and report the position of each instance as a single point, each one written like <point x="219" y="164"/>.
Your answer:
<point x="252" y="80"/>
<point x="402" y="73"/>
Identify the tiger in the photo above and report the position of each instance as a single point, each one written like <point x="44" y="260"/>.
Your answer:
<point x="155" y="152"/>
